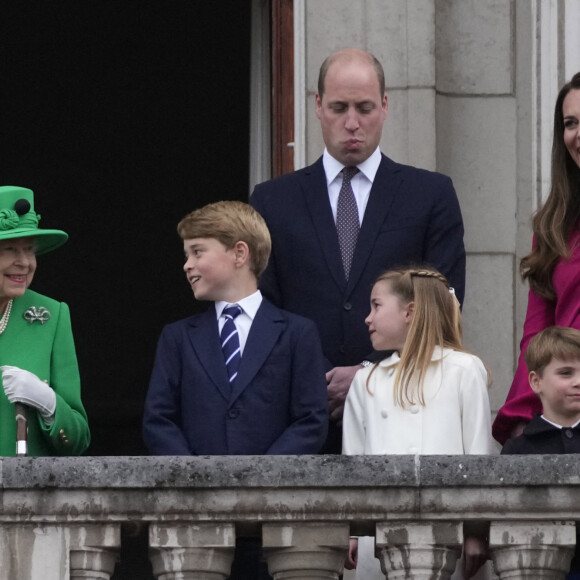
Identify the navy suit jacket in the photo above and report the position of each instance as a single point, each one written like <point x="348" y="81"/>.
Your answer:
<point x="276" y="405"/>
<point x="412" y="217"/>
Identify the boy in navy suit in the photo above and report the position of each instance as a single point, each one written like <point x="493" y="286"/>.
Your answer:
<point x="553" y="361"/>
<point x="276" y="404"/>
<point x="244" y="377"/>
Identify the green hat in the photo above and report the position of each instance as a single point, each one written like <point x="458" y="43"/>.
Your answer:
<point x="19" y="220"/>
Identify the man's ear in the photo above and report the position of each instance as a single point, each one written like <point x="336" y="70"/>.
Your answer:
<point x="241" y="253"/>
<point x="318" y="105"/>
<point x="535" y="381"/>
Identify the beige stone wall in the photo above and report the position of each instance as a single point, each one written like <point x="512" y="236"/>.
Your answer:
<point x="471" y="88"/>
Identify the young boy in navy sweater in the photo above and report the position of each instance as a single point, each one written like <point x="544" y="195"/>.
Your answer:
<point x="553" y="361"/>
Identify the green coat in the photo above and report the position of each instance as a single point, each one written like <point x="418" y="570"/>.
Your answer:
<point x="48" y="351"/>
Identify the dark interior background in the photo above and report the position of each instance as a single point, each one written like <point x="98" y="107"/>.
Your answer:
<point x="122" y="116"/>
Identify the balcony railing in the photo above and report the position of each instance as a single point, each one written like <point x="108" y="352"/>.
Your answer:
<point x="61" y="518"/>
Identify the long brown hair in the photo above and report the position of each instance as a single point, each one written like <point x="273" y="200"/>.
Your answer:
<point x="436" y="322"/>
<point x="556" y="219"/>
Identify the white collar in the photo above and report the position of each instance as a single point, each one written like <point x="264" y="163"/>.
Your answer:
<point x="439" y="353"/>
<point x="559" y="426"/>
<point x="249" y="305"/>
<point x="368" y="167"/>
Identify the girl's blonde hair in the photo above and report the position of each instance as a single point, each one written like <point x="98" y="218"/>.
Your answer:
<point x="436" y="322"/>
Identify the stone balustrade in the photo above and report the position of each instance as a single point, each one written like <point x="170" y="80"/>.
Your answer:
<point x="61" y="518"/>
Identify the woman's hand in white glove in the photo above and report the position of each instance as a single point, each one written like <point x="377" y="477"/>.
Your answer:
<point x="22" y="386"/>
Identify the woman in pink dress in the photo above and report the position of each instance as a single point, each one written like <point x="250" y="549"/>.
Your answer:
<point x="553" y="266"/>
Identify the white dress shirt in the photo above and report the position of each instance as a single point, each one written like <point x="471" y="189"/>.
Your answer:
<point x="243" y="321"/>
<point x="361" y="183"/>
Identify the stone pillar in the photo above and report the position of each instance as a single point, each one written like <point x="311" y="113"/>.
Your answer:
<point x="305" y="551"/>
<point x="92" y="564"/>
<point x="39" y="551"/>
<point x="191" y="551"/>
<point x="418" y="550"/>
<point x="93" y="551"/>
<point x="530" y="550"/>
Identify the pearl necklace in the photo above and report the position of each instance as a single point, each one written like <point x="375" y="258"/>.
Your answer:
<point x="6" y="316"/>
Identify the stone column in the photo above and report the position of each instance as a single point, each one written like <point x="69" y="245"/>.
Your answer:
<point x="191" y="551"/>
<point x="418" y="550"/>
<point x="530" y="550"/>
<point x="305" y="551"/>
<point x="93" y="551"/>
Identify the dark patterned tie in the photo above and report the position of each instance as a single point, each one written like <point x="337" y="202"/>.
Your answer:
<point x="347" y="222"/>
<point x="231" y="341"/>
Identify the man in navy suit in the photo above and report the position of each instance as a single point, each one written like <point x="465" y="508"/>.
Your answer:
<point x="406" y="216"/>
<point x="244" y="377"/>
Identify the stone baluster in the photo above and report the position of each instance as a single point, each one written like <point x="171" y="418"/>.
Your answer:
<point x="418" y="550"/>
<point x="92" y="564"/>
<point x="94" y="551"/>
<point x="75" y="551"/>
<point x="199" y="551"/>
<point x="305" y="551"/>
<point x="530" y="550"/>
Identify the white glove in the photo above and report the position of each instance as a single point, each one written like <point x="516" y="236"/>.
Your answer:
<point x="22" y="386"/>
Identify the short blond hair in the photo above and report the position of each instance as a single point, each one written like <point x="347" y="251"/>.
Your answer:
<point x="558" y="342"/>
<point x="230" y="222"/>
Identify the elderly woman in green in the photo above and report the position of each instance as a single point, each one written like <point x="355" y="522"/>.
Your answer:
<point x="38" y="362"/>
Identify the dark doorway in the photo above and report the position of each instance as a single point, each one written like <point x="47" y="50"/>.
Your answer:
<point x="122" y="116"/>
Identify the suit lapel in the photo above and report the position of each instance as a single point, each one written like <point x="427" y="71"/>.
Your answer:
<point x="383" y="192"/>
<point x="313" y="183"/>
<point x="204" y="338"/>
<point x="266" y="328"/>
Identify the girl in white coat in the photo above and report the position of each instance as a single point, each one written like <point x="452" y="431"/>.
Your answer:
<point x="430" y="396"/>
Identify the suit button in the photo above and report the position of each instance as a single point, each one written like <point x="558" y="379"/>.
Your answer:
<point x="569" y="433"/>
<point x="233" y="413"/>
<point x="347" y="306"/>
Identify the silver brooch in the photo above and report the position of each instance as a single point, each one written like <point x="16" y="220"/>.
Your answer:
<point x="41" y="314"/>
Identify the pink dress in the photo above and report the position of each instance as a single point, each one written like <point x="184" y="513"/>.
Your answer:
<point x="522" y="402"/>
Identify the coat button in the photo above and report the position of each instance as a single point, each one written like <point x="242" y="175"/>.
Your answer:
<point x="414" y="409"/>
<point x="347" y="306"/>
<point x="233" y="413"/>
<point x="384" y="413"/>
<point x="569" y="433"/>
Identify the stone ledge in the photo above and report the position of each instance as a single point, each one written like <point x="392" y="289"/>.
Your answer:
<point x="305" y="471"/>
<point x="252" y="490"/>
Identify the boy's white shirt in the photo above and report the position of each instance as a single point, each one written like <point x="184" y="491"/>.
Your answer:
<point x="249" y="305"/>
<point x="455" y="420"/>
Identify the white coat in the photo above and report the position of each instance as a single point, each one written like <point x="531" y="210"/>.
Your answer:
<point x="455" y="420"/>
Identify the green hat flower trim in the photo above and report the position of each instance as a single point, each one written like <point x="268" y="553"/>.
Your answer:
<point x="19" y="217"/>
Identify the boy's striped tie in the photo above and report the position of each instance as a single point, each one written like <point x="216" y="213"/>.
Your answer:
<point x="231" y="341"/>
